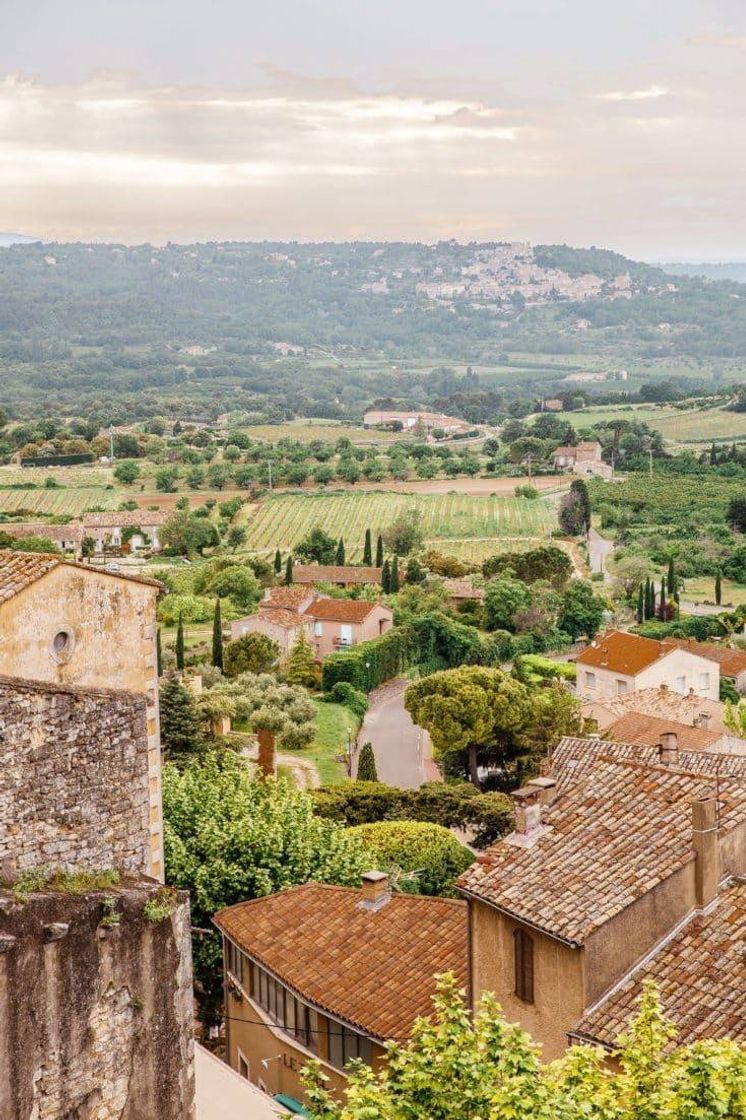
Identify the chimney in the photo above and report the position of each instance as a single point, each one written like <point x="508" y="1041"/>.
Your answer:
<point x="604" y="655"/>
<point x="707" y="849"/>
<point x="547" y="788"/>
<point x="668" y="748"/>
<point x="376" y="890"/>
<point x="703" y="720"/>
<point x="528" y="826"/>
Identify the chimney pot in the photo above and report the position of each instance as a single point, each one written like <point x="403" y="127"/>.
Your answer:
<point x="527" y="810"/>
<point x="547" y="788"/>
<point x="703" y="720"/>
<point x="376" y="890"/>
<point x="668" y="748"/>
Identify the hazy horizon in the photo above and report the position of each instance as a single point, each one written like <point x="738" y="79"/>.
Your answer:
<point x="562" y="121"/>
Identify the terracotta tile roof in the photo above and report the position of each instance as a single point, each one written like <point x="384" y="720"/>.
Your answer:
<point x="372" y="969"/>
<point x="342" y="610"/>
<point x="463" y="589"/>
<point x="288" y="597"/>
<point x="618" y="827"/>
<point x="647" y="730"/>
<point x="701" y="977"/>
<point x="19" y="570"/>
<point x="623" y="653"/>
<point x="731" y="661"/>
<point x="124" y="518"/>
<point x="335" y="573"/>
<point x="663" y="702"/>
<point x="279" y="616"/>
<point x="571" y="757"/>
<point x="24" y="529"/>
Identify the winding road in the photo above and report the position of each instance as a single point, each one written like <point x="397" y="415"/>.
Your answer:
<point x="403" y="750"/>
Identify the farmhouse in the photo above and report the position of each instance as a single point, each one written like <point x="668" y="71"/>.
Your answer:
<point x="409" y="420"/>
<point x="331" y="973"/>
<point x="338" y="623"/>
<point x="583" y="459"/>
<point x="732" y="662"/>
<point x="68" y="538"/>
<point x="626" y="863"/>
<point x="133" y="529"/>
<point x="343" y="575"/>
<point x="618" y="663"/>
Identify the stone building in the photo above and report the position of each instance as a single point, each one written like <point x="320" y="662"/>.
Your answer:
<point x="95" y="954"/>
<point x="69" y="624"/>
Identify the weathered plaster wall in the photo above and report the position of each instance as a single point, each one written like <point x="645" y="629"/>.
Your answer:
<point x="112" y="626"/>
<point x="73" y="778"/>
<point x="95" y="1020"/>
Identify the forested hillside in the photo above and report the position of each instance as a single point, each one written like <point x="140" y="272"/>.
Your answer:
<point x="320" y="329"/>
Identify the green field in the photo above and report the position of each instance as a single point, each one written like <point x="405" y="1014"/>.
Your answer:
<point x="55" y="502"/>
<point x="326" y="430"/>
<point x="281" y="522"/>
<point x="690" y="425"/>
<point x="63" y="476"/>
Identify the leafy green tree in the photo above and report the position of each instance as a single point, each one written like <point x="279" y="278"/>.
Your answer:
<point x="217" y="636"/>
<point x="339" y="557"/>
<point x="414" y="573"/>
<point x="735" y="514"/>
<point x="317" y="547"/>
<point x="548" y="564"/>
<point x="379" y="551"/>
<point x="405" y="533"/>
<point x="185" y="533"/>
<point x="181" y="726"/>
<point x="581" y="610"/>
<point x="503" y="599"/>
<point x="235" y="537"/>
<point x="301" y="665"/>
<point x="422" y="858"/>
<point x="230" y="837"/>
<point x="366" y="764"/>
<point x="167" y="478"/>
<point x="367" y="549"/>
<point x="251" y="653"/>
<point x="180" y="643"/>
<point x="236" y="582"/>
<point x="127" y="472"/>
<point x="289" y="571"/>
<point x="483" y="717"/>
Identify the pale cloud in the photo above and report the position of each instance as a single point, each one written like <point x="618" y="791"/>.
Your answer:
<point x="719" y="39"/>
<point x="649" y="94"/>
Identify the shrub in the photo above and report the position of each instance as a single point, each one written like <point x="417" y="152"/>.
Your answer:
<point x="428" y="855"/>
<point x="366" y="765"/>
<point x="351" y="697"/>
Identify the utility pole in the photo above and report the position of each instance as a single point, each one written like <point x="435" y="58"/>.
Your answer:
<point x="529" y="466"/>
<point x="269" y="464"/>
<point x="650" y="460"/>
<point x="111" y="441"/>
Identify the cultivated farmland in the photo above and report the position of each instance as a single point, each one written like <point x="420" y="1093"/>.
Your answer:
<point x="281" y="522"/>
<point x="58" y="502"/>
<point x="679" y="425"/>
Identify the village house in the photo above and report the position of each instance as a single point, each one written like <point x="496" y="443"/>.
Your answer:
<point x="625" y="863"/>
<point x="68" y="538"/>
<point x="617" y="663"/>
<point x="68" y="624"/>
<point x="649" y="731"/>
<point x="280" y="617"/>
<point x="408" y="420"/>
<point x="660" y="703"/>
<point x="331" y="973"/>
<point x="462" y="591"/>
<point x="582" y="459"/>
<point x="732" y="662"/>
<point x="132" y="529"/>
<point x="343" y="575"/>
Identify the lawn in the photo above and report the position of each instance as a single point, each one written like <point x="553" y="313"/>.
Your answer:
<point x="326" y="430"/>
<point x="702" y="590"/>
<point x="333" y="722"/>
<point x="281" y="522"/>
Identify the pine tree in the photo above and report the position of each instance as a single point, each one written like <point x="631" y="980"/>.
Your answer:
<point x="366" y="764"/>
<point x="394" y="581"/>
<point x="640" y="604"/>
<point x="180" y="644"/>
<point x="367" y="549"/>
<point x="386" y="577"/>
<point x="340" y="557"/>
<point x="301" y="666"/>
<point x="158" y="652"/>
<point x="217" y="636"/>
<point x="379" y="551"/>
<point x="718" y="587"/>
<point x="278" y="562"/>
<point x="181" y="727"/>
<point x="289" y="571"/>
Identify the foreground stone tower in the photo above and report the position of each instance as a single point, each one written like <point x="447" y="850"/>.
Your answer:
<point x="95" y="960"/>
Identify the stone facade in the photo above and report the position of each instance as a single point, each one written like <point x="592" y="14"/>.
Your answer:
<point x="73" y="778"/>
<point x="95" y="1013"/>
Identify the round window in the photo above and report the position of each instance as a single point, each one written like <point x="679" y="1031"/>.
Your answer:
<point x="62" y="645"/>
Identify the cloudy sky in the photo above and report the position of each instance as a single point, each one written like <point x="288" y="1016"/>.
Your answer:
<point x="583" y="121"/>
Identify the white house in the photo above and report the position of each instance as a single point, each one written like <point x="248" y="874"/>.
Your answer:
<point x="618" y="663"/>
<point x="110" y="530"/>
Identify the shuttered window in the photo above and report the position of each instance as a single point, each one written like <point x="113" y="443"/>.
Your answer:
<point x="523" y="949"/>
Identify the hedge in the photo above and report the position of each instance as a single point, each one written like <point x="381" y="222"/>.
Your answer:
<point x="370" y="664"/>
<point x="57" y="460"/>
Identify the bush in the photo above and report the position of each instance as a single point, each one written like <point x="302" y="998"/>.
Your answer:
<point x="251" y="653"/>
<point x="345" y="693"/>
<point x="366" y="764"/>
<point x="499" y="648"/>
<point x="428" y="855"/>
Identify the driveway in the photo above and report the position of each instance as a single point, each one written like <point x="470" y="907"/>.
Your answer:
<point x="599" y="549"/>
<point x="403" y="751"/>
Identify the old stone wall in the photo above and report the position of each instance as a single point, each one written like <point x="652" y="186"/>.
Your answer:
<point x="95" y="1006"/>
<point x="73" y="778"/>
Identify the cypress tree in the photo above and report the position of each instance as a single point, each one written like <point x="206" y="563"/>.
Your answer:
<point x="718" y="587"/>
<point x="640" y="604"/>
<point x="180" y="644"/>
<point x="394" y="581"/>
<point x="158" y="652"/>
<point x="289" y="571"/>
<point x="386" y="577"/>
<point x="181" y="726"/>
<point x="367" y="549"/>
<point x="217" y="636"/>
<point x="340" y="557"/>
<point x="646" y="599"/>
<point x="379" y="552"/>
<point x="713" y="455"/>
<point x="278" y="562"/>
<point x="672" y="581"/>
<point x="663" y="609"/>
<point x="366" y="764"/>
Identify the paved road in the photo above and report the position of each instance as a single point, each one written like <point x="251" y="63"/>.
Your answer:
<point x="403" y="751"/>
<point x="599" y="549"/>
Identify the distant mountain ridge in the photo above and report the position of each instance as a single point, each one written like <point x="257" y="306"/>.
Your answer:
<point x="8" y="239"/>
<point x="711" y="270"/>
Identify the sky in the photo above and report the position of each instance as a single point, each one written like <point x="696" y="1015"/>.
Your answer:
<point x="578" y="121"/>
